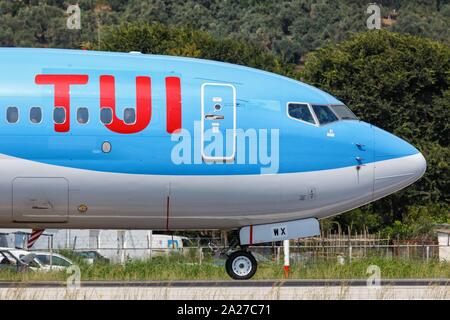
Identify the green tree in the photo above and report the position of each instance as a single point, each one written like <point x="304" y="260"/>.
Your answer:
<point x="160" y="39"/>
<point x="288" y="28"/>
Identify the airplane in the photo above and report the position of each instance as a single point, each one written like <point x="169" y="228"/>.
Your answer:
<point x="101" y="140"/>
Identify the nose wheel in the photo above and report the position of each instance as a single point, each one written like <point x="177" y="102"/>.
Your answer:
<point x="241" y="265"/>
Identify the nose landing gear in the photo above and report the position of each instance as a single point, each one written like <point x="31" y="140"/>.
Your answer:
<point x="241" y="265"/>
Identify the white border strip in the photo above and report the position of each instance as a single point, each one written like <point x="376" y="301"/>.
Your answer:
<point x="202" y="139"/>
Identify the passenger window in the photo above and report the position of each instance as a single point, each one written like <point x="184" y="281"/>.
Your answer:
<point x="83" y="115"/>
<point x="344" y="112"/>
<point x="35" y="115"/>
<point x="300" y="112"/>
<point x="12" y="115"/>
<point x="129" y="116"/>
<point x="59" y="115"/>
<point x="106" y="115"/>
<point x="43" y="259"/>
<point x="324" y="114"/>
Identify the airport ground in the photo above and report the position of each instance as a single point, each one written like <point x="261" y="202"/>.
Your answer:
<point x="179" y="277"/>
<point x="230" y="290"/>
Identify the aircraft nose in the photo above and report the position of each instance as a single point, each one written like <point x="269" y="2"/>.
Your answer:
<point x="397" y="163"/>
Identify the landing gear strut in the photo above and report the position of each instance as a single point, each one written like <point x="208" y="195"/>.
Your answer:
<point x="241" y="265"/>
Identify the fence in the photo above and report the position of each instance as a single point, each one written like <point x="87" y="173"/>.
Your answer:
<point x="330" y="247"/>
<point x="275" y="253"/>
<point x="312" y="254"/>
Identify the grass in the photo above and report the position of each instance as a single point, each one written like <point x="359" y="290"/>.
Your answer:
<point x="177" y="267"/>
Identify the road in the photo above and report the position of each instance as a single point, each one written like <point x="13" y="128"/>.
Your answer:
<point x="232" y="290"/>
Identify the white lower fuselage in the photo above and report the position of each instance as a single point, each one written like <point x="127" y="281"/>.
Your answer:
<point x="92" y="199"/>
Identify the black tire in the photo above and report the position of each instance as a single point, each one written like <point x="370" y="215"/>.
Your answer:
<point x="247" y="267"/>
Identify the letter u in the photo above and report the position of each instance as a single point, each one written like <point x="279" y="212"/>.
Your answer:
<point x="143" y="104"/>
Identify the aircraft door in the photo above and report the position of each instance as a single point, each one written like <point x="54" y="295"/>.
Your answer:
<point x="40" y="200"/>
<point x="218" y="124"/>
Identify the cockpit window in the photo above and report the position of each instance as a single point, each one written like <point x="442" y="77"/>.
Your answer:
<point x="324" y="114"/>
<point x="344" y="113"/>
<point x="301" y="112"/>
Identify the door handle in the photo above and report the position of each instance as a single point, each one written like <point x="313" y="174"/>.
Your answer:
<point x="214" y="117"/>
<point x="360" y="146"/>
<point x="40" y="207"/>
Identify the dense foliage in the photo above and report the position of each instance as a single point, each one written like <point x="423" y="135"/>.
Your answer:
<point x="159" y="39"/>
<point x="289" y="28"/>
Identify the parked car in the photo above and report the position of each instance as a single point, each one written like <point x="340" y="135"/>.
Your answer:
<point x="36" y="261"/>
<point x="51" y="261"/>
<point x="92" y="257"/>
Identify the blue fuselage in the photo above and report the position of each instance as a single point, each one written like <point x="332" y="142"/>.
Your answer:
<point x="261" y="102"/>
